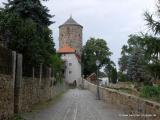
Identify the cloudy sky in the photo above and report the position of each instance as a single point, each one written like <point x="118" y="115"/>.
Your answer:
<point x="112" y="20"/>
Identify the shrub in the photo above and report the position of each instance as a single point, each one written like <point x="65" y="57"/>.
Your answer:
<point x="122" y="77"/>
<point x="152" y="92"/>
<point x="17" y="117"/>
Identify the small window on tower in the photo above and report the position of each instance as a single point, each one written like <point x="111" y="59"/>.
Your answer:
<point x="67" y="29"/>
<point x="70" y="64"/>
<point x="70" y="72"/>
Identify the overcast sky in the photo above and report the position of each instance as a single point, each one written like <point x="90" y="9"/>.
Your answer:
<point x="112" y="20"/>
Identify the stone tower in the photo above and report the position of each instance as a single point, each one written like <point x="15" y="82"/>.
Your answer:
<point x="71" y="33"/>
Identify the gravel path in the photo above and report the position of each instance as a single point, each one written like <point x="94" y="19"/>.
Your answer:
<point x="78" y="105"/>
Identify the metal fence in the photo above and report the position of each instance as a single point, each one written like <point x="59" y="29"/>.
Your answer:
<point x="5" y="61"/>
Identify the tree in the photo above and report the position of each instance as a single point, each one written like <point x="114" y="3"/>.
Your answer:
<point x="122" y="77"/>
<point x="114" y="75"/>
<point x="30" y="9"/>
<point x="110" y="65"/>
<point x="135" y="57"/>
<point x="93" y="50"/>
<point x="58" y="66"/>
<point x="153" y="43"/>
<point x="136" y="66"/>
<point x="26" y="30"/>
<point x="111" y="71"/>
<point x="134" y="41"/>
<point x="124" y="59"/>
<point x="151" y="22"/>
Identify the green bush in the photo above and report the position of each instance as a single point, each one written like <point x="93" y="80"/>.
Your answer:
<point x="122" y="77"/>
<point x="152" y="92"/>
<point x="17" y="117"/>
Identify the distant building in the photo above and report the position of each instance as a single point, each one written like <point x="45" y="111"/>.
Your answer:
<point x="71" y="33"/>
<point x="72" y="65"/>
<point x="70" y="46"/>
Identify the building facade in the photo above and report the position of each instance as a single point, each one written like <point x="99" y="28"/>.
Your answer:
<point x="72" y="65"/>
<point x="70" y="48"/>
<point x="71" y="33"/>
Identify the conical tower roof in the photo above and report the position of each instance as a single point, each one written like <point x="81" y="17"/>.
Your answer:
<point x="70" y="21"/>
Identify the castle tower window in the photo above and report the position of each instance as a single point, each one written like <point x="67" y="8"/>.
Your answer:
<point x="69" y="31"/>
<point x="70" y="64"/>
<point x="70" y="72"/>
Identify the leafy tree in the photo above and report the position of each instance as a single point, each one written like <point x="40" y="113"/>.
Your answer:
<point x="102" y="74"/>
<point x="136" y="66"/>
<point x="114" y="75"/>
<point x="30" y="9"/>
<point x="111" y="71"/>
<point x="135" y="57"/>
<point x="24" y="24"/>
<point x="123" y="63"/>
<point x="154" y="70"/>
<point x="58" y="66"/>
<point x="153" y="43"/>
<point x="110" y="65"/>
<point x="151" y="22"/>
<point x="134" y="41"/>
<point x="122" y="77"/>
<point x="93" y="50"/>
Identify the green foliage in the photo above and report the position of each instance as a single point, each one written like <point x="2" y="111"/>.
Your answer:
<point x="102" y="74"/>
<point x="145" y="63"/>
<point x="30" y="9"/>
<point x="26" y="30"/>
<point x="151" y="22"/>
<point x="134" y="42"/>
<point x="154" y="70"/>
<point x="17" y="117"/>
<point x="93" y="50"/>
<point x="111" y="71"/>
<point x="136" y="68"/>
<point x="114" y="75"/>
<point x="123" y="61"/>
<point x="141" y="52"/>
<point x="122" y="77"/>
<point x="58" y="66"/>
<point x="152" y="92"/>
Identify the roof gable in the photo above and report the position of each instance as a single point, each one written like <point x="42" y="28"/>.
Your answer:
<point x="70" y="21"/>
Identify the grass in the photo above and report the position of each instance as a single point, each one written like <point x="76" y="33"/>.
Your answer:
<point x="17" y="117"/>
<point x="151" y="93"/>
<point x="126" y="90"/>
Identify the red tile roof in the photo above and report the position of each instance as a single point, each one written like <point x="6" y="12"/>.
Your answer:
<point x="66" y="49"/>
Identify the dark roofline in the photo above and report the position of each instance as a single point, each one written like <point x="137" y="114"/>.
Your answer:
<point x="70" y="25"/>
<point x="70" y="22"/>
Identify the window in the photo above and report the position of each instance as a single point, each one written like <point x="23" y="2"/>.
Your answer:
<point x="70" y="64"/>
<point x="70" y="72"/>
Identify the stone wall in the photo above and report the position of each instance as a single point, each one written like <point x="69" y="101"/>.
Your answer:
<point x="6" y="97"/>
<point x="34" y="92"/>
<point x="71" y="35"/>
<point x="137" y="108"/>
<point x="30" y="93"/>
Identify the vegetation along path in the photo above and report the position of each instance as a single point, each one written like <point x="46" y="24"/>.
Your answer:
<point x="78" y="105"/>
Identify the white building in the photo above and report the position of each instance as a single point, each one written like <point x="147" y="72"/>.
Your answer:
<point x="72" y="64"/>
